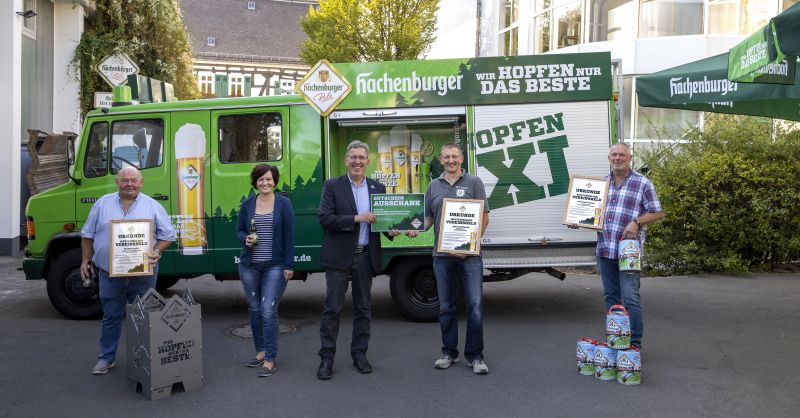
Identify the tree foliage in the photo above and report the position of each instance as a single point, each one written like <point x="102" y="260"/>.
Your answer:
<point x="150" y="32"/>
<point x="368" y="30"/>
<point x="730" y="197"/>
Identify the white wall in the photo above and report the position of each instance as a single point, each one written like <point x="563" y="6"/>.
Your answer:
<point x="67" y="30"/>
<point x="10" y="123"/>
<point x="649" y="55"/>
<point x="456" y="26"/>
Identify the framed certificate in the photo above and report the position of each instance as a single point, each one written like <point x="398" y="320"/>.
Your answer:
<point x="129" y="248"/>
<point x="403" y="212"/>
<point x="460" y="226"/>
<point x="586" y="202"/>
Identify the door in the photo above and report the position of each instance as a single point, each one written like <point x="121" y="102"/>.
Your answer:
<point x="113" y="143"/>
<point x="242" y="139"/>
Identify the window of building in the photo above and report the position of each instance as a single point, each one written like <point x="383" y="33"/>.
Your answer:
<point x="29" y="23"/>
<point x="508" y="33"/>
<point x="211" y="41"/>
<point x="556" y="24"/>
<point x="250" y="138"/>
<point x="541" y="30"/>
<point x="670" y="18"/>
<point x="567" y="21"/>
<point x="95" y="163"/>
<point x="287" y="87"/>
<point x="754" y="14"/>
<point x="236" y="86"/>
<point x="654" y="123"/>
<point x="138" y="143"/>
<point x="738" y="16"/>
<point x="206" y="84"/>
<point x="612" y="19"/>
<point x="251" y="5"/>
<point x="722" y="16"/>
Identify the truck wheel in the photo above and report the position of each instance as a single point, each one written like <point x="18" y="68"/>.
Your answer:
<point x="413" y="288"/>
<point x="66" y="291"/>
<point x="165" y="282"/>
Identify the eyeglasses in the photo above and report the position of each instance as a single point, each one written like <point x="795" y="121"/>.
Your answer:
<point x="357" y="158"/>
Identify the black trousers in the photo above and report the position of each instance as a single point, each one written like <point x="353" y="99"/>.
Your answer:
<point x="360" y="274"/>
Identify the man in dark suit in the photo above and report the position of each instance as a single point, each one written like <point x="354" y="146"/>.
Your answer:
<point x="350" y="252"/>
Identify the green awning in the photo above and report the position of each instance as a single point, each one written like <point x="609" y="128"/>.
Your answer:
<point x="768" y="50"/>
<point x="704" y="86"/>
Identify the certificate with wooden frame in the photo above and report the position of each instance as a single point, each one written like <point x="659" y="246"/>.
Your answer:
<point x="586" y="202"/>
<point x="460" y="226"/>
<point x="130" y="243"/>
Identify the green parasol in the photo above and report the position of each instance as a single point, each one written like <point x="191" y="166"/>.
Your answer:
<point x="704" y="86"/>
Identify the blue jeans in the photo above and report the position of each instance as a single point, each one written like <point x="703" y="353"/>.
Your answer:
<point x="622" y="288"/>
<point x="263" y="287"/>
<point x="470" y="270"/>
<point x="115" y="293"/>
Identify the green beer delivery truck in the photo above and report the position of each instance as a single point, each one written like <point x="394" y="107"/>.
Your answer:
<point x="525" y="125"/>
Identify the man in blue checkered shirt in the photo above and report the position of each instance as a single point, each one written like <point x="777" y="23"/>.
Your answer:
<point x="632" y="204"/>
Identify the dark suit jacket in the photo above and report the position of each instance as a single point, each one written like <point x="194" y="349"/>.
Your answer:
<point x="337" y="211"/>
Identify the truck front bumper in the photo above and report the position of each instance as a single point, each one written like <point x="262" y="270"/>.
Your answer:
<point x="33" y="268"/>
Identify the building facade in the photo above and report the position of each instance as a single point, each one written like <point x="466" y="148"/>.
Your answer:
<point x="246" y="47"/>
<point x="37" y="42"/>
<point x="645" y="36"/>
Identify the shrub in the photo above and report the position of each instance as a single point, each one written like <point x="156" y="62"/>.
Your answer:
<point x="730" y="196"/>
<point x="150" y="32"/>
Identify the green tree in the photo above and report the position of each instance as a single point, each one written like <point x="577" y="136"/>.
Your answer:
<point x="730" y="197"/>
<point x="150" y="32"/>
<point x="368" y="30"/>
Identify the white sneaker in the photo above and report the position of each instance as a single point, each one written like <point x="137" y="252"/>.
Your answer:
<point x="102" y="367"/>
<point x="445" y="361"/>
<point x="479" y="367"/>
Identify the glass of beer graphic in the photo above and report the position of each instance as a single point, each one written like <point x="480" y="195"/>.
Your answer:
<point x="190" y="148"/>
<point x="400" y="155"/>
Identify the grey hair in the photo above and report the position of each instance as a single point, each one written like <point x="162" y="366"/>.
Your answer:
<point x="127" y="166"/>
<point x="451" y="145"/>
<point x="357" y="144"/>
<point x="624" y="144"/>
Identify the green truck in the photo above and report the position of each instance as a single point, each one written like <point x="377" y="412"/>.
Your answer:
<point x="525" y="125"/>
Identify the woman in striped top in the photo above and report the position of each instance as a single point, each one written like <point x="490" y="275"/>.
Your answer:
<point x="265" y="227"/>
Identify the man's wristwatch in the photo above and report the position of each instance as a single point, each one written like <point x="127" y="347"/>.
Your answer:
<point x="636" y="221"/>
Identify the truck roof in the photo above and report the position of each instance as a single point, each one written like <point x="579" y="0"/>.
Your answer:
<point x="215" y="103"/>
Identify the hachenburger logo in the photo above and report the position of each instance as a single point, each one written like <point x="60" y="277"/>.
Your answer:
<point x="684" y="86"/>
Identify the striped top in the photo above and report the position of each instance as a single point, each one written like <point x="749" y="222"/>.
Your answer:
<point x="263" y="248"/>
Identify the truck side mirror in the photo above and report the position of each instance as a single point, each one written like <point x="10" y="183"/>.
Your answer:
<point x="70" y="150"/>
<point x="71" y="157"/>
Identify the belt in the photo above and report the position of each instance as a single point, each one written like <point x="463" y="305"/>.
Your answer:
<point x="362" y="249"/>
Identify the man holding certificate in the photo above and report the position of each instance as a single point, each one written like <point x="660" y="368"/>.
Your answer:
<point x="632" y="204"/>
<point x="470" y="214"/>
<point x="123" y="236"/>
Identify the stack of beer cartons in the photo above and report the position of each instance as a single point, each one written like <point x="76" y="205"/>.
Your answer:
<point x="615" y="358"/>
